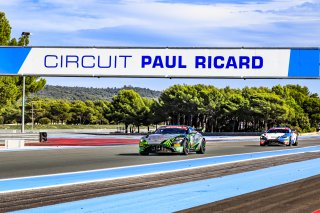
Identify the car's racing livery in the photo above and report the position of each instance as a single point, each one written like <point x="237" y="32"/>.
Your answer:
<point x="173" y="138"/>
<point x="279" y="135"/>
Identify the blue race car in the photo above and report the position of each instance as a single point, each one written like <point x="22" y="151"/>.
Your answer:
<point x="279" y="135"/>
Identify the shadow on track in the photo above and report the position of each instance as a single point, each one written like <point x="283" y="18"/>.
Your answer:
<point x="152" y="154"/>
<point x="129" y="154"/>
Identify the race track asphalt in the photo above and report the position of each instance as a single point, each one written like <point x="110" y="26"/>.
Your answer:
<point x="58" y="160"/>
<point x="39" y="161"/>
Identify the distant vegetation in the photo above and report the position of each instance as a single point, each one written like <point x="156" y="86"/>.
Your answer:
<point x="204" y="107"/>
<point x="93" y="94"/>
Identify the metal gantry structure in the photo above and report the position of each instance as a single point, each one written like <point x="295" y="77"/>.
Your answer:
<point x="25" y="36"/>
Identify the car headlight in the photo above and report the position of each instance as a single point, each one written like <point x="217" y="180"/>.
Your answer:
<point x="143" y="142"/>
<point x="263" y="137"/>
<point x="284" y="136"/>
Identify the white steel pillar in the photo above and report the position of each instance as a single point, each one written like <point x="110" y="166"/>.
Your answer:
<point x="23" y="102"/>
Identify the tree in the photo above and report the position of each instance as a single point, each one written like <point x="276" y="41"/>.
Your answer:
<point x="5" y="34"/>
<point x="211" y="99"/>
<point x="8" y="92"/>
<point x="11" y="86"/>
<point x="173" y="104"/>
<point x="41" y="109"/>
<point x="5" y="30"/>
<point x="233" y="108"/>
<point x="128" y="108"/>
<point x="312" y="108"/>
<point x="103" y="111"/>
<point x="11" y="114"/>
<point x="180" y="104"/>
<point x="59" y="111"/>
<point x="302" y="111"/>
<point x="78" y="111"/>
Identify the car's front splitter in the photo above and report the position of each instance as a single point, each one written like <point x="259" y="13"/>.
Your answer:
<point x="274" y="142"/>
<point x="161" y="149"/>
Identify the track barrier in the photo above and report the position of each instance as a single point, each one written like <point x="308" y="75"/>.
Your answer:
<point x="14" y="144"/>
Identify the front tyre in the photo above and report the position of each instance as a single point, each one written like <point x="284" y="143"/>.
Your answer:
<point x="202" y="149"/>
<point x="185" y="148"/>
<point x="144" y="153"/>
<point x="290" y="144"/>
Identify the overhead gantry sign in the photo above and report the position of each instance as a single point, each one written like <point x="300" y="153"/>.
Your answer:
<point x="161" y="62"/>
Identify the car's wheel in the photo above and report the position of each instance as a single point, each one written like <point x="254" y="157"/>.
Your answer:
<point x="264" y="144"/>
<point x="144" y="153"/>
<point x="202" y="149"/>
<point x="185" y="148"/>
<point x="296" y="142"/>
<point x="290" y="144"/>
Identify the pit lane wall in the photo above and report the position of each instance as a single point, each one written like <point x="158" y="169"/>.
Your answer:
<point x="161" y="62"/>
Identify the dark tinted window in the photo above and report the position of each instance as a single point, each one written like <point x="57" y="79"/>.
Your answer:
<point x="171" y="131"/>
<point x="278" y="131"/>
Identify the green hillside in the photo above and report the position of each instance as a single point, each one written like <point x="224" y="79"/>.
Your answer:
<point x="85" y="93"/>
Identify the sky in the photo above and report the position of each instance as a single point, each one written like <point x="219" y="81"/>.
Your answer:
<point x="167" y="23"/>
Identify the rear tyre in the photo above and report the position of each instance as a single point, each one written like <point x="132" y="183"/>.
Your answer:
<point x="185" y="148"/>
<point x="202" y="149"/>
<point x="296" y="142"/>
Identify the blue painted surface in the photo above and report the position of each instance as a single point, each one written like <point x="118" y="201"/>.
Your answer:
<point x="304" y="63"/>
<point x="11" y="59"/>
<point x="187" y="195"/>
<point x="72" y="178"/>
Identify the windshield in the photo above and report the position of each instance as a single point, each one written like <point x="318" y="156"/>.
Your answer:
<point x="171" y="131"/>
<point x="278" y="131"/>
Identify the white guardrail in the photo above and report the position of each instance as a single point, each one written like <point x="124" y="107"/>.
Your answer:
<point x="14" y="144"/>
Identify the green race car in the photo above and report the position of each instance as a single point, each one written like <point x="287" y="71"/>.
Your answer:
<point x="176" y="139"/>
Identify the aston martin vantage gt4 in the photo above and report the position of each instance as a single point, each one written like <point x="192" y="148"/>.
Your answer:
<point x="175" y="139"/>
<point x="279" y="135"/>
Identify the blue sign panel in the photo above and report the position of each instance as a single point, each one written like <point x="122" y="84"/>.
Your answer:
<point x="304" y="63"/>
<point x="11" y="59"/>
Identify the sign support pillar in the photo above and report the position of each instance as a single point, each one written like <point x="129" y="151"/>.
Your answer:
<point x="23" y="102"/>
